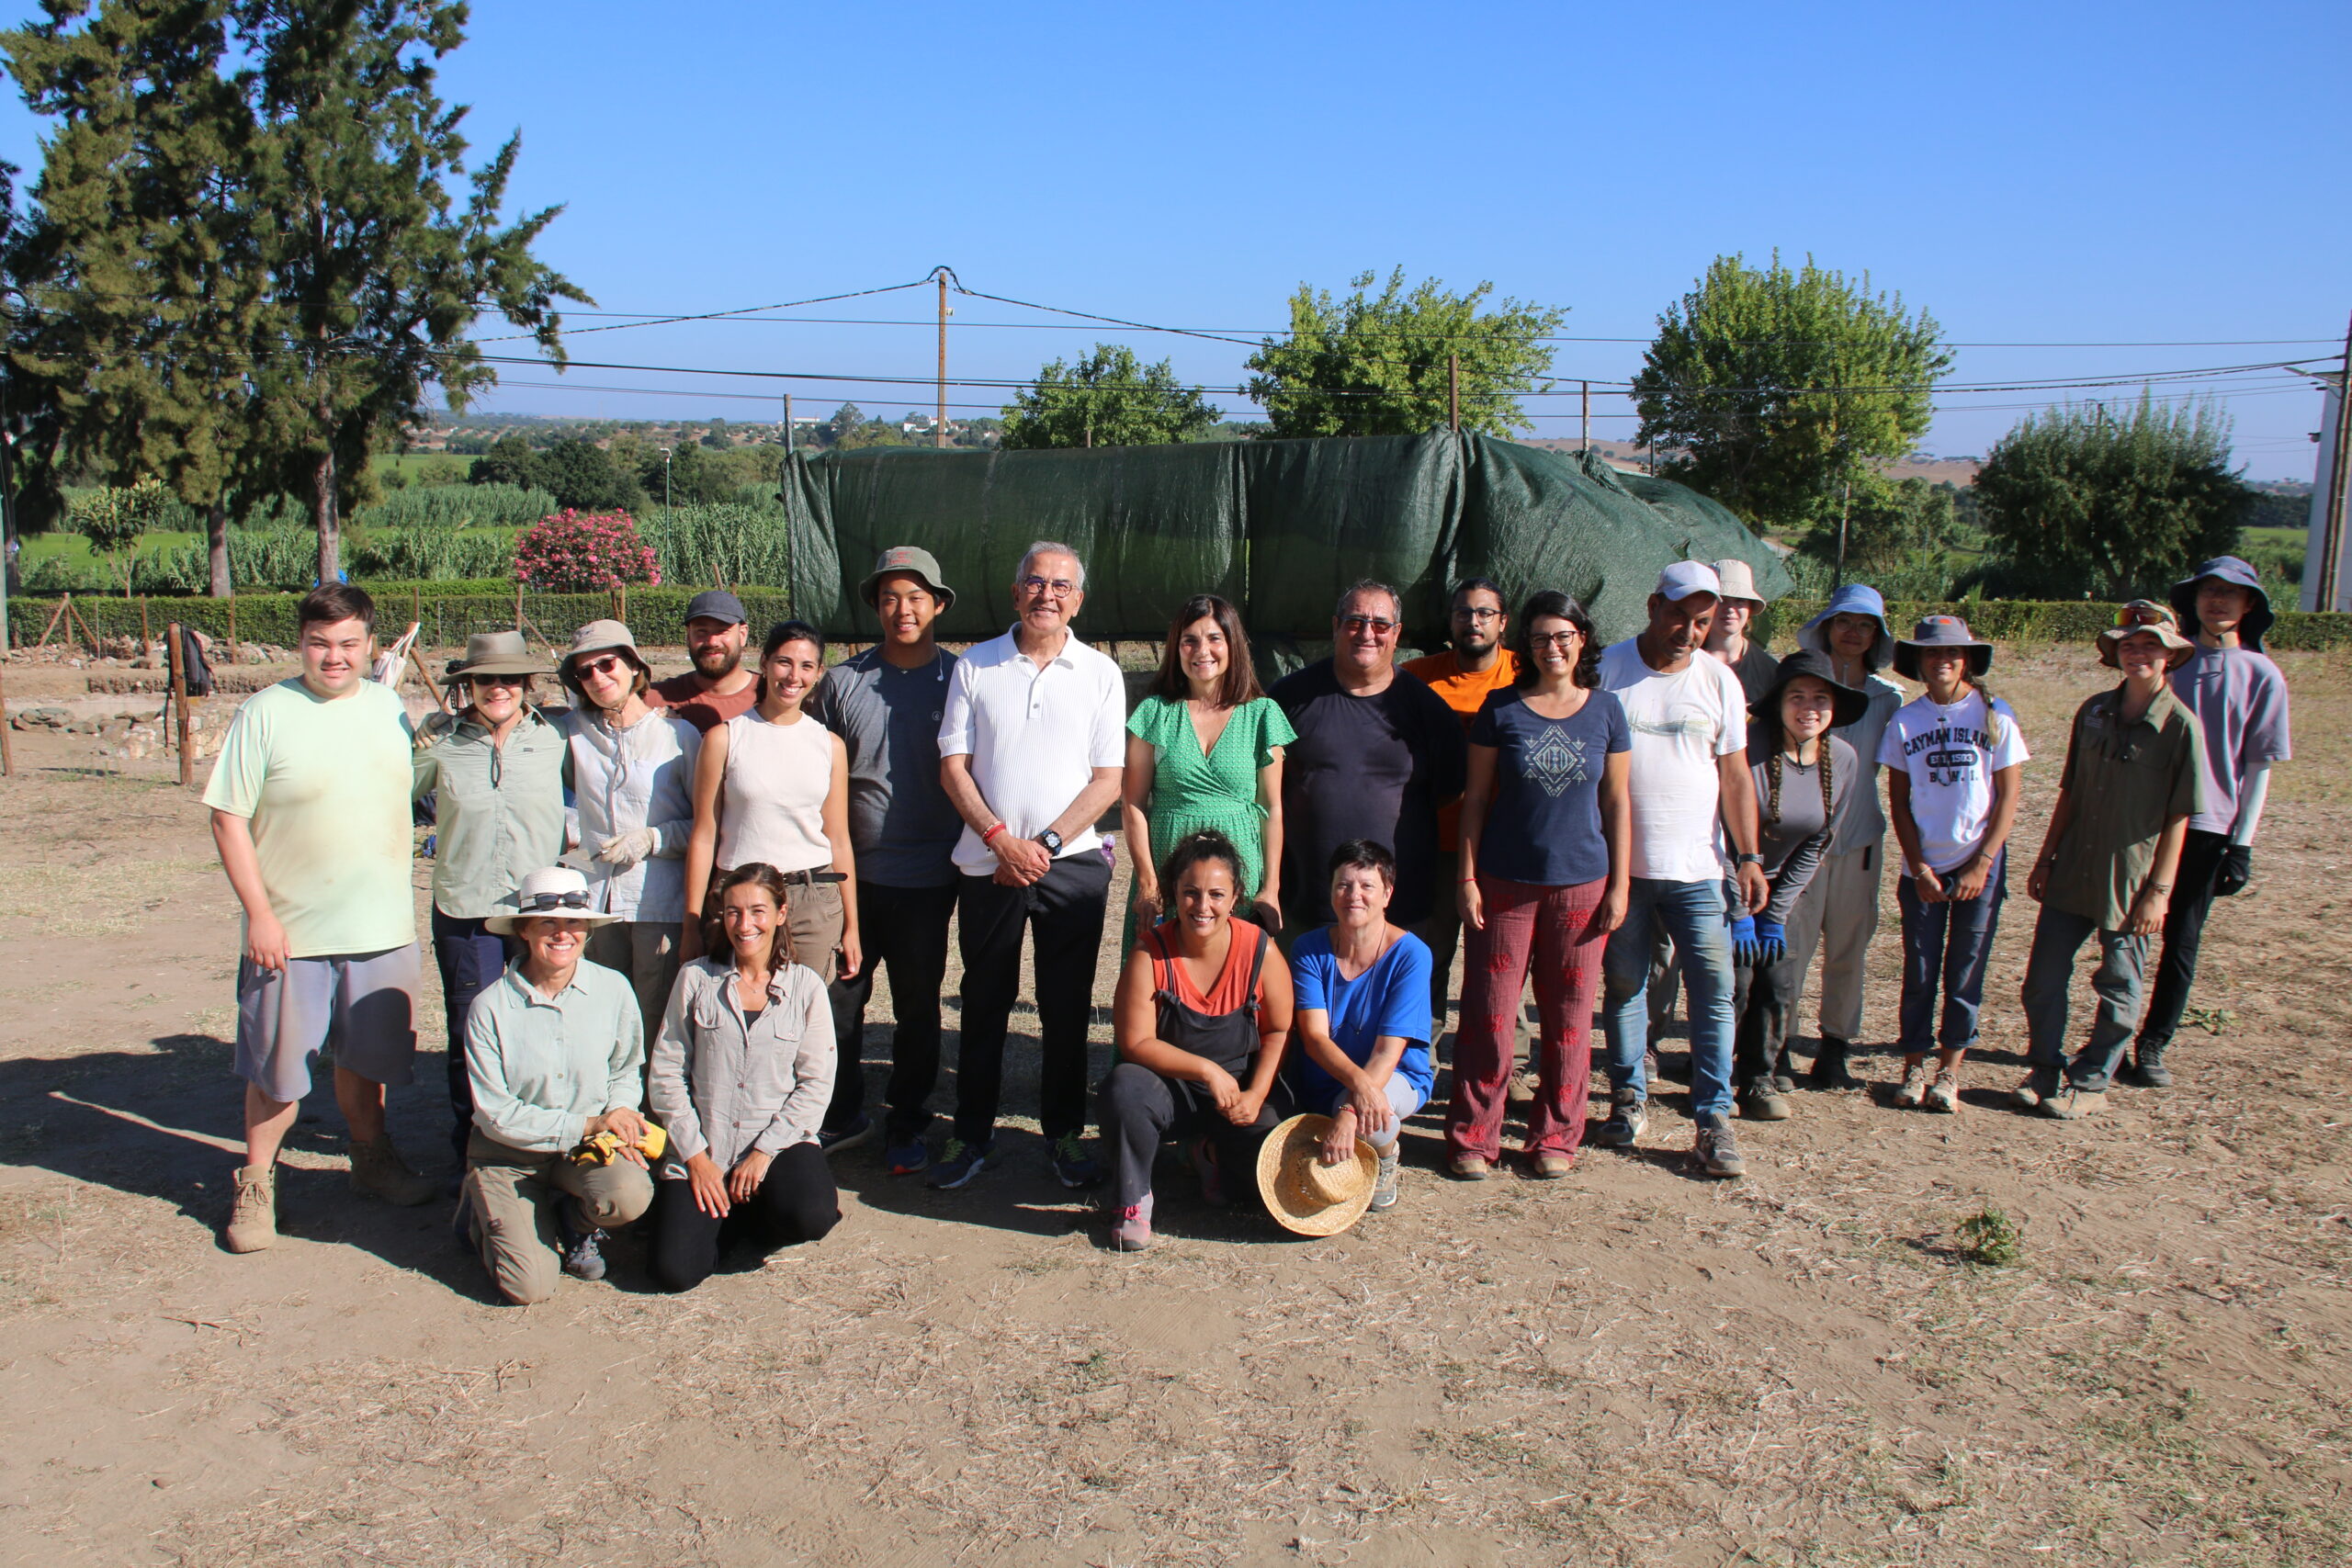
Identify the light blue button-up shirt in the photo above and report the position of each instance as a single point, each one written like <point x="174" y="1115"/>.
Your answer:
<point x="542" y="1066"/>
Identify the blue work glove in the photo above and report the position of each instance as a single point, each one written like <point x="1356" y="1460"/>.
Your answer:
<point x="1743" y="940"/>
<point x="1771" y="944"/>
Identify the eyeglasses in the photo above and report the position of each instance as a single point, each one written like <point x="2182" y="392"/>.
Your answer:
<point x="1377" y="625"/>
<point x="600" y="666"/>
<point x="541" y="903"/>
<point x="498" y="680"/>
<point x="1562" y="640"/>
<point x="1470" y="613"/>
<point x="1055" y="587"/>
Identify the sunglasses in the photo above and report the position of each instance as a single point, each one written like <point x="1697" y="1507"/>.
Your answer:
<point x="498" y="680"/>
<point x="1378" y="625"/>
<point x="597" y="667"/>
<point x="541" y="902"/>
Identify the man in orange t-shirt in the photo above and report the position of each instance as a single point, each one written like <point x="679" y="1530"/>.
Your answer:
<point x="1475" y="664"/>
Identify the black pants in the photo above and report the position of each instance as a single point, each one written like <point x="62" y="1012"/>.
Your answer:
<point x="1065" y="908"/>
<point x="2192" y="901"/>
<point x="1141" y="1110"/>
<point x="795" y="1201"/>
<point x="905" y="928"/>
<point x="471" y="958"/>
<point x="1764" y="1001"/>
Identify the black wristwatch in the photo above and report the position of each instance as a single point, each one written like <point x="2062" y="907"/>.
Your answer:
<point x="1751" y="858"/>
<point x="1052" y="841"/>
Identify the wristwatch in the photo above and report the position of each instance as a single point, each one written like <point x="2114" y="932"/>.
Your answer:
<point x="1052" y="841"/>
<point x="1751" y="858"/>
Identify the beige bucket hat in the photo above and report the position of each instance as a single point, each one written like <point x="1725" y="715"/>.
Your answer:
<point x="601" y="637"/>
<point x="1302" y="1192"/>
<point x="1739" y="581"/>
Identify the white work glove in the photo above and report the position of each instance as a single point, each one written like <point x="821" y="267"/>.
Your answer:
<point x="624" y="850"/>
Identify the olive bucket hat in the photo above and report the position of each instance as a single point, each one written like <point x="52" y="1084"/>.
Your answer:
<point x="915" y="561"/>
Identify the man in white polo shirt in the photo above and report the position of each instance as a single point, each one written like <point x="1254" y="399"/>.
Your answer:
<point x="1032" y="749"/>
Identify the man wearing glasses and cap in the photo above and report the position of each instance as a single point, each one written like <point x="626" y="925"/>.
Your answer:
<point x="717" y="688"/>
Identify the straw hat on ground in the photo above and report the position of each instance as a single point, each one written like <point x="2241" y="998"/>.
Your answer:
<point x="1302" y="1192"/>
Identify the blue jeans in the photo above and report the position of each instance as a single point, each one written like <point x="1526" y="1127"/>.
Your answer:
<point x="2119" y="982"/>
<point x="1950" y="943"/>
<point x="1692" y="914"/>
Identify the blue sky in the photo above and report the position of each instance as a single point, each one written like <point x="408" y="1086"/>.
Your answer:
<point x="2049" y="173"/>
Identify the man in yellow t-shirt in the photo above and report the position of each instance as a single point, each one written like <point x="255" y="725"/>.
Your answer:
<point x="1475" y="665"/>
<point x="310" y="814"/>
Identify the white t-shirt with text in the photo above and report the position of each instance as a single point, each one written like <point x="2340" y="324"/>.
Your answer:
<point x="1951" y="754"/>
<point x="1682" y="724"/>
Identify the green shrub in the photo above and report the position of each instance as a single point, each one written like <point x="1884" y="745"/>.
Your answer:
<point x="1990" y="1238"/>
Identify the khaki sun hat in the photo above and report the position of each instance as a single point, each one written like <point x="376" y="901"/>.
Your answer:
<point x="915" y="561"/>
<point x="1739" y="581"/>
<point x="559" y="892"/>
<point x="1302" y="1192"/>
<point x="496" y="653"/>
<point x="600" y="637"/>
<point x="2145" y="615"/>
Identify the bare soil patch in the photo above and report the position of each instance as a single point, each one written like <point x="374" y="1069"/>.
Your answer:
<point x="1631" y="1366"/>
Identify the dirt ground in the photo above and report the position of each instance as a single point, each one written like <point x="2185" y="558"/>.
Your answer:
<point x="1631" y="1366"/>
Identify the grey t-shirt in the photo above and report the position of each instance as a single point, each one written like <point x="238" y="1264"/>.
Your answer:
<point x="1792" y="844"/>
<point x="2240" y="701"/>
<point x="901" y="823"/>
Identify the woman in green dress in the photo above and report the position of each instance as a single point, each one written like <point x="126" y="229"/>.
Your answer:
<point x="1204" y="751"/>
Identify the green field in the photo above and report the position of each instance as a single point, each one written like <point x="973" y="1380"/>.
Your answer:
<point x="74" y="548"/>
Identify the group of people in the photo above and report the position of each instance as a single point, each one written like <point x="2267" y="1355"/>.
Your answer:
<point x="658" y="911"/>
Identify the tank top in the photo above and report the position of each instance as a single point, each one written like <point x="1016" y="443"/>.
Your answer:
<point x="772" y="800"/>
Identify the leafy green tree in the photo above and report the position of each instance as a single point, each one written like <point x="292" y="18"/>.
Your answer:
<point x="698" y="476"/>
<point x="1380" y="365"/>
<point x="1774" y="390"/>
<point x="509" y="461"/>
<point x="583" y="477"/>
<point x="113" y="518"/>
<point x="2082" y="500"/>
<point x="1108" y="399"/>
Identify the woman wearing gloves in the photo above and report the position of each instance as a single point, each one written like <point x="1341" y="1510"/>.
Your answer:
<point x="1840" y="914"/>
<point x="631" y="771"/>
<point x="742" y="1072"/>
<point x="1805" y="779"/>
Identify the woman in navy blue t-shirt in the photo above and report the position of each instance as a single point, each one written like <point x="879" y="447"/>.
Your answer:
<point x="1546" y="852"/>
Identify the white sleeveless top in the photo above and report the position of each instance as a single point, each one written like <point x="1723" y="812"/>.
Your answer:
<point x="772" y="801"/>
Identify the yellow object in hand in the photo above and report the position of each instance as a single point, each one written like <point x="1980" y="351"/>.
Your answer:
<point x="602" y="1148"/>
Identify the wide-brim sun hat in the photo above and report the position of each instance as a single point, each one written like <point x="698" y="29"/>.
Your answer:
<point x="2145" y="615"/>
<point x="2232" y="569"/>
<point x="1847" y="705"/>
<point x="556" y="892"/>
<point x="496" y="653"/>
<point x="1739" y="580"/>
<point x="600" y="637"/>
<point x="1941" y="631"/>
<point x="1854" y="599"/>
<point x="909" y="560"/>
<point x="1303" y="1193"/>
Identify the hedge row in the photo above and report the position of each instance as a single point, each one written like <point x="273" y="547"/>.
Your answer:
<point x="2026" y="620"/>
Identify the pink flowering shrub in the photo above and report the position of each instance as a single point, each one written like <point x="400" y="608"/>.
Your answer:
<point x="577" y="552"/>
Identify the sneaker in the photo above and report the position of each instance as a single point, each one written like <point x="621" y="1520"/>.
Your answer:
<point x="1384" y="1187"/>
<point x="1915" y="1079"/>
<point x="253" y="1217"/>
<point x="583" y="1259"/>
<point x="2071" y="1104"/>
<point x="1550" y="1165"/>
<point x="2034" y="1088"/>
<point x="1764" y="1101"/>
<point x="1828" y="1069"/>
<point x="1470" y="1168"/>
<point x="958" y="1163"/>
<point x="905" y="1159"/>
<point x="2147" y="1070"/>
<point x="1523" y="1088"/>
<point x="1627" y="1116"/>
<point x="1072" y="1164"/>
<point x="1944" y="1095"/>
<point x="1131" y="1227"/>
<point x="832" y="1140"/>
<point x="376" y="1168"/>
<point x="1202" y="1154"/>
<point x="1653" y="1071"/>
<point x="1716" y="1151"/>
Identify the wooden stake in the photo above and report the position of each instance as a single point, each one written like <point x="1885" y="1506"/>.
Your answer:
<point x="7" y="758"/>
<point x="146" y="638"/>
<point x="620" y="612"/>
<point x="179" y="700"/>
<point x="54" y="617"/>
<point x="91" y="636"/>
<point x="232" y="627"/>
<point x="432" y="687"/>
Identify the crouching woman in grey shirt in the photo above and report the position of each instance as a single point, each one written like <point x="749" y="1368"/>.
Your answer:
<point x="742" y="1073"/>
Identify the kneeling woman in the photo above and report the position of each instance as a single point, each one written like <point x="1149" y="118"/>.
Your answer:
<point x="742" y="1072"/>
<point x="554" y="1053"/>
<point x="1200" y="1019"/>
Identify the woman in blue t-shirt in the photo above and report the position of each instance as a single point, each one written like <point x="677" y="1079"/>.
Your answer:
<point x="1546" y="859"/>
<point x="1362" y="1016"/>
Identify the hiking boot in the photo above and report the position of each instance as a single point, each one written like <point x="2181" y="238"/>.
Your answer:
<point x="1714" y="1151"/>
<point x="832" y="1140"/>
<point x="1384" y="1185"/>
<point x="2147" y="1070"/>
<point x="1131" y="1227"/>
<point x="376" y="1168"/>
<point x="1762" y="1099"/>
<point x="1944" y="1095"/>
<point x="1523" y="1088"/>
<point x="958" y="1163"/>
<point x="2035" y="1087"/>
<point x="905" y="1159"/>
<point x="1627" y="1116"/>
<point x="2071" y="1104"/>
<point x="1202" y="1154"/>
<point x="253" y="1217"/>
<point x="1073" y="1167"/>
<point x="583" y="1259"/>
<point x="1470" y="1168"/>
<point x="1784" y="1079"/>
<point x="1828" y="1069"/>
<point x="1550" y="1165"/>
<point x="1915" y="1079"/>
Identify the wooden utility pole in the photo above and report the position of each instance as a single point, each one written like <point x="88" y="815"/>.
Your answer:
<point x="179" y="700"/>
<point x="1454" y="393"/>
<point x="939" y="426"/>
<point x="2330" y="545"/>
<point x="1584" y="416"/>
<point x="787" y="424"/>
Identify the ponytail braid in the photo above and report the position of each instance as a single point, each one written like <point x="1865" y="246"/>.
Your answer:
<point x="1772" y="776"/>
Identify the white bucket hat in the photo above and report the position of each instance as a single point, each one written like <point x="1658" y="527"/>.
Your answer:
<point x="558" y="893"/>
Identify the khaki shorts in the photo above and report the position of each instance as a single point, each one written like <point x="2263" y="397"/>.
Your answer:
<point x="363" y="1004"/>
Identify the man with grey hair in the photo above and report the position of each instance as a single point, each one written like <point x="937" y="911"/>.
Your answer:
<point x="1377" y="753"/>
<point x="1032" y="750"/>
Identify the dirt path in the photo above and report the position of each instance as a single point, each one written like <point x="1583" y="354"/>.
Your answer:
<point x="1629" y="1366"/>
